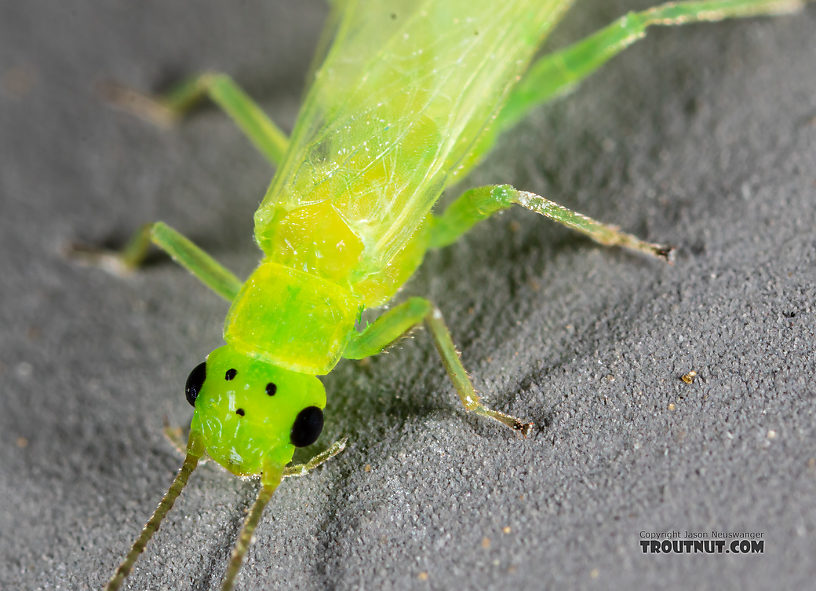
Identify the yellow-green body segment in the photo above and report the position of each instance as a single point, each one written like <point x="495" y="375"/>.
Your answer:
<point x="399" y="104"/>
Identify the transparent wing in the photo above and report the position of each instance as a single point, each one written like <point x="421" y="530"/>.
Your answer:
<point x="401" y="98"/>
<point x="336" y="10"/>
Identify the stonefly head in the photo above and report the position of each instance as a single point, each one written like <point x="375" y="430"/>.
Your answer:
<point x="249" y="416"/>
<point x="250" y="413"/>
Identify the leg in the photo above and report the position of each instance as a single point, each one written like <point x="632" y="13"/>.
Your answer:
<point x="175" y="435"/>
<point x="303" y="469"/>
<point x="220" y="88"/>
<point x="561" y="71"/>
<point x="178" y="437"/>
<point x="480" y="203"/>
<point x="396" y="322"/>
<point x="209" y="271"/>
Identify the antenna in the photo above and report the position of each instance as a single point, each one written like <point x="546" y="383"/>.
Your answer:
<point x="195" y="449"/>
<point x="270" y="480"/>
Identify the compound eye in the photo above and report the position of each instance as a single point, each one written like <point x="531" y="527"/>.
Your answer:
<point x="307" y="427"/>
<point x="195" y="381"/>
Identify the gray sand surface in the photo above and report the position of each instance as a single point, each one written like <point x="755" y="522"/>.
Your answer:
<point x="704" y="137"/>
